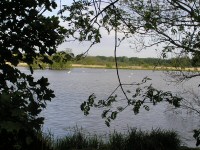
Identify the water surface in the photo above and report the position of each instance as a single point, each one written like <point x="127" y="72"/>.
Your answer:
<point x="74" y="87"/>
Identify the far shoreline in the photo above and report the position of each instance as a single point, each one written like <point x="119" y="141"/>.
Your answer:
<point x="157" y="68"/>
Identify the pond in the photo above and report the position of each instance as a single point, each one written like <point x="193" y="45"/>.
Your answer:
<point x="74" y="86"/>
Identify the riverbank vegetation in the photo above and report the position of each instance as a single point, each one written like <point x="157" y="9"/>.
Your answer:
<point x="65" y="60"/>
<point x="132" y="140"/>
<point x="140" y="63"/>
<point x="59" y="61"/>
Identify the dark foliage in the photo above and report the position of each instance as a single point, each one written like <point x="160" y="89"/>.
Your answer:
<point x="25" y="33"/>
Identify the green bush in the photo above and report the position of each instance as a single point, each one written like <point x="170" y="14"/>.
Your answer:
<point x="61" y="65"/>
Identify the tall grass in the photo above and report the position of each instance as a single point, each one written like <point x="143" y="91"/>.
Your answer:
<point x="155" y="140"/>
<point x="132" y="140"/>
<point x="77" y="141"/>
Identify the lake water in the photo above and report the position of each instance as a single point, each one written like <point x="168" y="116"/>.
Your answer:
<point x="74" y="87"/>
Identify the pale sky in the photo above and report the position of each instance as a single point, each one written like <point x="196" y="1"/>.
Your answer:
<point x="106" y="47"/>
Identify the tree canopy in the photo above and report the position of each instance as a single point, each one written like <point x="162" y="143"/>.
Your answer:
<point x="169" y="25"/>
<point x="25" y="34"/>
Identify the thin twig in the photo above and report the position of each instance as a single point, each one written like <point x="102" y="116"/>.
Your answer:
<point x="116" y="63"/>
<point x="108" y="6"/>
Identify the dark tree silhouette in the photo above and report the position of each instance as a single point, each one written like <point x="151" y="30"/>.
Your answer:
<point x="25" y="34"/>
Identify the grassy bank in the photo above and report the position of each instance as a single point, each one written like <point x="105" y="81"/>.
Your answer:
<point x="136" y="67"/>
<point x="132" y="140"/>
<point x="126" y="67"/>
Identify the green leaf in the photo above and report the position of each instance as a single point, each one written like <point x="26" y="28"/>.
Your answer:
<point x="146" y="107"/>
<point x="114" y="115"/>
<point x="104" y="114"/>
<point x="107" y="123"/>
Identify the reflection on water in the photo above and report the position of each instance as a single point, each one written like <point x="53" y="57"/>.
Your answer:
<point x="71" y="89"/>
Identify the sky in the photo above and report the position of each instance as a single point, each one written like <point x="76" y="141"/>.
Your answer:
<point x="106" y="47"/>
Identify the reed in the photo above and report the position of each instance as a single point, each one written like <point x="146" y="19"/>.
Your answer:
<point x="132" y="140"/>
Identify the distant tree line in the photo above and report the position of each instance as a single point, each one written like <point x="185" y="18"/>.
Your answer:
<point x="64" y="60"/>
<point x="135" y="61"/>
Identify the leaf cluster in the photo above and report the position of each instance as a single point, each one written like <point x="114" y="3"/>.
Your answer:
<point x="141" y="97"/>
